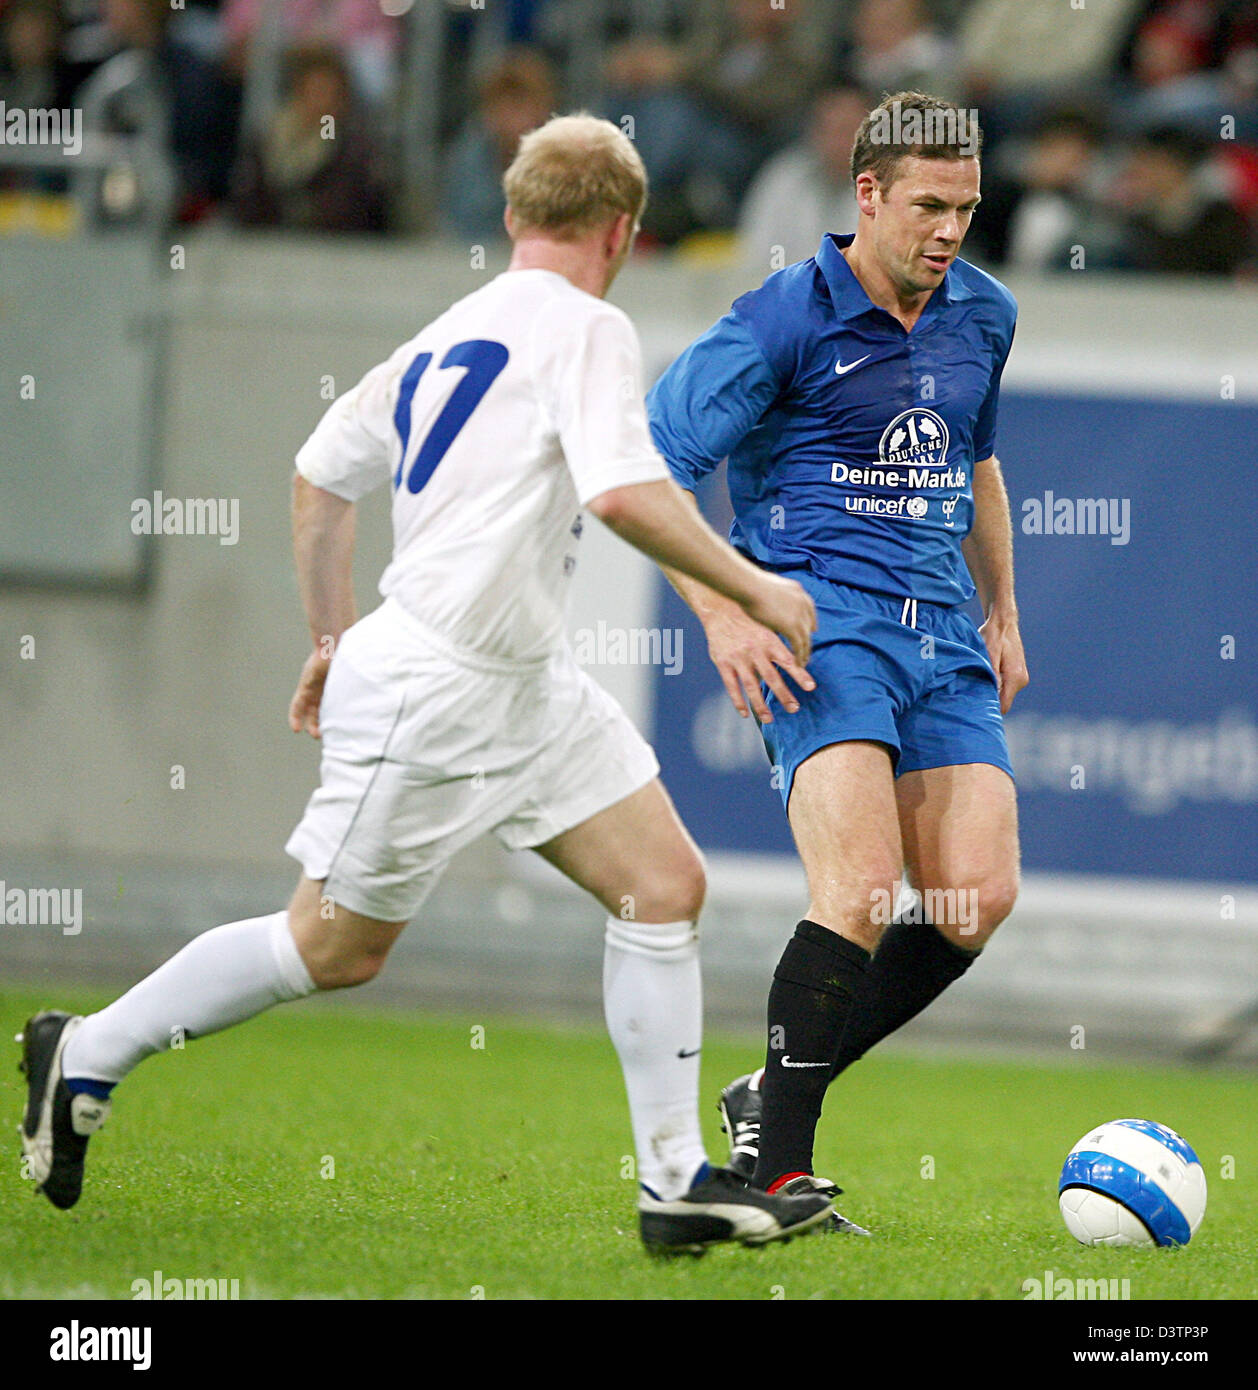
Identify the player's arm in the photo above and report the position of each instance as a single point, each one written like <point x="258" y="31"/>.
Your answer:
<point x="661" y="520"/>
<point x="323" y="549"/>
<point x="589" y="376"/>
<point x="702" y="407"/>
<point x="346" y="456"/>
<point x="988" y="551"/>
<point x="743" y="651"/>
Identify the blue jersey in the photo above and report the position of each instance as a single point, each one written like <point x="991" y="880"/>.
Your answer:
<point x="851" y="442"/>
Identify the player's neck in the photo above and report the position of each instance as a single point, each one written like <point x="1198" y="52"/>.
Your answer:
<point x="881" y="289"/>
<point x="572" y="260"/>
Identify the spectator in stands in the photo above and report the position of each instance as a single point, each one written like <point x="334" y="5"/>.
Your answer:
<point x="361" y="29"/>
<point x="1020" y="59"/>
<point x="894" y="47"/>
<point x="709" y="109"/>
<point x="1174" y="40"/>
<point x="1041" y="199"/>
<point x="1010" y="45"/>
<point x="805" y="190"/>
<point x="165" y="98"/>
<point x="516" y="95"/>
<point x="315" y="168"/>
<point x="33" y="74"/>
<point x="1190" y="63"/>
<point x="1174" y="220"/>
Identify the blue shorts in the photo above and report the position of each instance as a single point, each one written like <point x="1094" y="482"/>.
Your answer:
<point x="914" y="676"/>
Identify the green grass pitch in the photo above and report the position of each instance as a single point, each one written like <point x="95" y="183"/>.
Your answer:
<point x="323" y="1151"/>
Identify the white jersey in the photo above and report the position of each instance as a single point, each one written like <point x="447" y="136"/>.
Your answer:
<point x="495" y="425"/>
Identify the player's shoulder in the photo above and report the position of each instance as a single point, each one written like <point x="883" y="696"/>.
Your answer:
<point x="784" y="313"/>
<point x="784" y="291"/>
<point x="984" y="287"/>
<point x="542" y="314"/>
<point x="558" y="307"/>
<point x="550" y="287"/>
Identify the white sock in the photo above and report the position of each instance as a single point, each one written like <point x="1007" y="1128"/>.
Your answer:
<point x="219" y="978"/>
<point x="653" y="1002"/>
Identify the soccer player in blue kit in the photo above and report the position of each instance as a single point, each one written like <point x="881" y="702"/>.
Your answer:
<point x="855" y="396"/>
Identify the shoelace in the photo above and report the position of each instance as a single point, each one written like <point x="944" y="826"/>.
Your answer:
<point x="747" y="1130"/>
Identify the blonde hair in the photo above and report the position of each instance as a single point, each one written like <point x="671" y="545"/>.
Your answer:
<point x="572" y="174"/>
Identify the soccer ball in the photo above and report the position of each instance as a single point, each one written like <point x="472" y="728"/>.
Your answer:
<point x="1132" y="1182"/>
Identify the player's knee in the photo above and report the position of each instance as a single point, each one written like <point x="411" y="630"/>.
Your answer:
<point x="674" y="894"/>
<point x="996" y="896"/>
<point x="857" y="906"/>
<point x="979" y="907"/>
<point x="344" y="971"/>
<point x="689" y="888"/>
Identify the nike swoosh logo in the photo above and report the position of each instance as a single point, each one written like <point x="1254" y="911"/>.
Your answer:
<point x="684" y="1053"/>
<point x="786" y="1062"/>
<point x="841" y="370"/>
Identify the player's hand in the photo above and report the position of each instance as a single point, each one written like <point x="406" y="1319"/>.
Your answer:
<point x="745" y="647"/>
<point x="303" y="712"/>
<point x="1004" y="650"/>
<point x="786" y="607"/>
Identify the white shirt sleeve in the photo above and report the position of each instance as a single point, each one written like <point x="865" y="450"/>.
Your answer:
<point x="590" y="380"/>
<point x="354" y="447"/>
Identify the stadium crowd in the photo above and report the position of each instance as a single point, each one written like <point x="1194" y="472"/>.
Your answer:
<point x="1135" y="136"/>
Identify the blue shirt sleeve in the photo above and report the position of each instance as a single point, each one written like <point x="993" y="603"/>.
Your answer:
<point x="985" y="421"/>
<point x="710" y="399"/>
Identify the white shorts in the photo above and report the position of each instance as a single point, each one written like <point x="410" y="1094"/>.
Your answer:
<point x="426" y="749"/>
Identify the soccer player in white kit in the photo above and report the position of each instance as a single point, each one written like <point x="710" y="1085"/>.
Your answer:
<point x="457" y="707"/>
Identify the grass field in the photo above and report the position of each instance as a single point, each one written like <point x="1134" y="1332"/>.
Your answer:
<point x="324" y="1151"/>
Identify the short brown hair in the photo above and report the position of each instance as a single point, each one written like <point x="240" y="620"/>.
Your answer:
<point x="573" y="173"/>
<point x="912" y="123"/>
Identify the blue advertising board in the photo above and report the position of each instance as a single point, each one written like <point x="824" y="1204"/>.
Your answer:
<point x="1135" y="744"/>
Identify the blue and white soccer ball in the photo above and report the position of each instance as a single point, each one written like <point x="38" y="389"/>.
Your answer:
<point x="1132" y="1182"/>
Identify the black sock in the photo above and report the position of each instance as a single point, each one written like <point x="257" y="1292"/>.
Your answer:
<point x="913" y="965"/>
<point x="816" y="984"/>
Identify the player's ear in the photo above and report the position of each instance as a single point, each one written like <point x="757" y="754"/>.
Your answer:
<point x="508" y="221"/>
<point x="868" y="192"/>
<point x="619" y="235"/>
